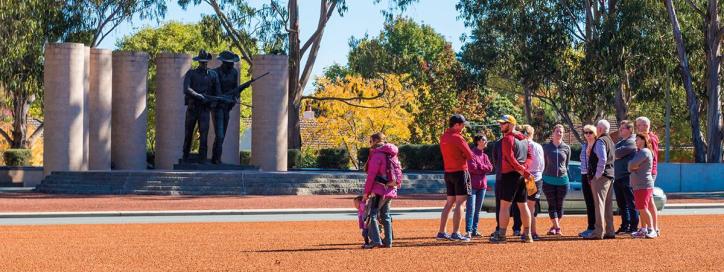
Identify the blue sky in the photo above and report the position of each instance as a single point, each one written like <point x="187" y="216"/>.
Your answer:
<point x="362" y="17"/>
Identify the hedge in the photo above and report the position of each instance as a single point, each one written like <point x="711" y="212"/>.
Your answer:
<point x="17" y="157"/>
<point x="294" y="158"/>
<point x="412" y="157"/>
<point x="575" y="152"/>
<point x="245" y="157"/>
<point x="334" y="158"/>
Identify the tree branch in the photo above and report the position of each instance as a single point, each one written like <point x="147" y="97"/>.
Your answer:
<point x="347" y="100"/>
<point x="108" y="32"/>
<point x="235" y="37"/>
<point x="105" y="21"/>
<point x="575" y="21"/>
<point x="36" y="134"/>
<point x="281" y="16"/>
<point x="324" y="16"/>
<point x="343" y="100"/>
<point x="315" y="46"/>
<point x="695" y="7"/>
<point x="6" y="136"/>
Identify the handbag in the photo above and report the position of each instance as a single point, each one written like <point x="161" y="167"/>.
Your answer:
<point x="530" y="186"/>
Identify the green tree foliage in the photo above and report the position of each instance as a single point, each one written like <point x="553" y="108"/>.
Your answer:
<point x="98" y="18"/>
<point x="582" y="60"/>
<point x="26" y="27"/>
<point x="406" y="47"/>
<point x="182" y="38"/>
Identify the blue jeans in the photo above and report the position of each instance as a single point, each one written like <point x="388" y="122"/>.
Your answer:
<point x="472" y="210"/>
<point x="379" y="206"/>
<point x="625" y="201"/>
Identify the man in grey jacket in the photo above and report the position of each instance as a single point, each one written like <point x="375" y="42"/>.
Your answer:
<point x="625" y="150"/>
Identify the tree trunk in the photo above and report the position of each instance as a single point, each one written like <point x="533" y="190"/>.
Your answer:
<point x="21" y="106"/>
<point x="621" y="103"/>
<point x="293" y="129"/>
<point x="714" y="116"/>
<point x="692" y="101"/>
<point x="528" y="89"/>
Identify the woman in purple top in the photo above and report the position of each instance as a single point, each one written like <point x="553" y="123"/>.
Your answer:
<point x="479" y="166"/>
<point x="384" y="176"/>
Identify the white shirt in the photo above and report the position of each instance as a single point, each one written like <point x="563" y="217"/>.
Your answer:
<point x="538" y="163"/>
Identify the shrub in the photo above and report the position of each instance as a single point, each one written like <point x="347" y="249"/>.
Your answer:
<point x="245" y="157"/>
<point x="294" y="158"/>
<point x="421" y="157"/>
<point x="336" y="158"/>
<point x="412" y="157"/>
<point x="362" y="155"/>
<point x="150" y="159"/>
<point x="308" y="159"/>
<point x="17" y="157"/>
<point x="575" y="152"/>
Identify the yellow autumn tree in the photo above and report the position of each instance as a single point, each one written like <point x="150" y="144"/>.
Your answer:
<point x="348" y="123"/>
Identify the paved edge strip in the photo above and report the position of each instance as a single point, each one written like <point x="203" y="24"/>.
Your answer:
<point x="267" y="211"/>
<point x="202" y="212"/>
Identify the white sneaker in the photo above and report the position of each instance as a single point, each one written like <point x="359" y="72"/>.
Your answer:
<point x="651" y="234"/>
<point x="641" y="233"/>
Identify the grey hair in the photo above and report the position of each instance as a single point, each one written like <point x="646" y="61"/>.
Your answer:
<point x="645" y="120"/>
<point x="606" y="125"/>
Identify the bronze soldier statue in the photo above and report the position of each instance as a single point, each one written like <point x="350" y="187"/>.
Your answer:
<point x="200" y="85"/>
<point x="230" y="91"/>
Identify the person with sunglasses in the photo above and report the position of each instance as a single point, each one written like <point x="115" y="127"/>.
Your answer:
<point x="589" y="134"/>
<point x="600" y="163"/>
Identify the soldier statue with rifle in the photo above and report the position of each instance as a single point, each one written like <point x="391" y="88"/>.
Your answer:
<point x="226" y="100"/>
<point x="200" y="86"/>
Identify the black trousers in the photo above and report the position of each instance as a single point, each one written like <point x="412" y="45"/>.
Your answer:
<point x="588" y="198"/>
<point x="625" y="201"/>
<point x="514" y="210"/>
<point x="196" y="115"/>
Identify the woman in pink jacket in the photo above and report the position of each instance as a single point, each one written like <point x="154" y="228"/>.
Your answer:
<point x="384" y="176"/>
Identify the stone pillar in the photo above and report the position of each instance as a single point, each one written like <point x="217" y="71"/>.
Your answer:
<point x="128" y="134"/>
<point x="170" y="108"/>
<point x="63" y="107"/>
<point x="230" y="152"/>
<point x="86" y="118"/>
<point x="270" y="113"/>
<point x="99" y="106"/>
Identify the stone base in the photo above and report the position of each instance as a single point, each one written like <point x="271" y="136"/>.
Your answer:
<point x="250" y="182"/>
<point x="208" y="166"/>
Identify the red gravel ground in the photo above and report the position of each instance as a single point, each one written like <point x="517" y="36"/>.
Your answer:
<point x="690" y="243"/>
<point x="35" y="202"/>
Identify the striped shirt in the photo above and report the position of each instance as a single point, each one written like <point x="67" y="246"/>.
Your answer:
<point x="584" y="159"/>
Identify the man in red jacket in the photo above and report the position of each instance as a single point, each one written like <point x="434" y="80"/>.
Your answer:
<point x="455" y="156"/>
<point x="514" y="154"/>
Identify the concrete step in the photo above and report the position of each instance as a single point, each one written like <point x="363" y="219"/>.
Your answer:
<point x="225" y="182"/>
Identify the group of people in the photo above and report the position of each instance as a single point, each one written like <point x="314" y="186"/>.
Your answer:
<point x="525" y="168"/>
<point x="524" y="171"/>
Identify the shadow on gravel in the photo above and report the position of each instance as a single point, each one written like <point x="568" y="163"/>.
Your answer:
<point x="412" y="242"/>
